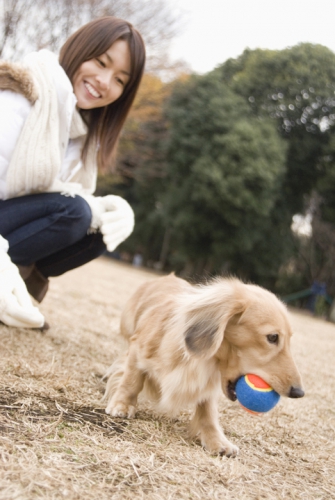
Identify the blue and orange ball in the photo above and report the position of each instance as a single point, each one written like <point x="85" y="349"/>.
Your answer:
<point x="255" y="395"/>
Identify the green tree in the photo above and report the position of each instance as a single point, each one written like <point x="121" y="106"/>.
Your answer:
<point x="224" y="173"/>
<point x="296" y="88"/>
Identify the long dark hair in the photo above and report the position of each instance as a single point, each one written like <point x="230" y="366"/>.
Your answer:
<point x="90" y="41"/>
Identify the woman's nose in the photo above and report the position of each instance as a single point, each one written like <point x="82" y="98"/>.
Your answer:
<point x="103" y="80"/>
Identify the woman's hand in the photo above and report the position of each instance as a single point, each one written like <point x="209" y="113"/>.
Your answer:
<point x="117" y="222"/>
<point x="16" y="308"/>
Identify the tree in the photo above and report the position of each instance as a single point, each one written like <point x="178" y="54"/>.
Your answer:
<point x="141" y="166"/>
<point x="295" y="87"/>
<point x="326" y="183"/>
<point x="141" y="130"/>
<point x="223" y="174"/>
<point x="313" y="260"/>
<point x="27" y="25"/>
<point x="146" y="113"/>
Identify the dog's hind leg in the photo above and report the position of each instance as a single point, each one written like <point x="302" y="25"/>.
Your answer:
<point x="124" y="400"/>
<point x="205" y="424"/>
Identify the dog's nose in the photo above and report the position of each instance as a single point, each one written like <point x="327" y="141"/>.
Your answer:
<point x="296" y="392"/>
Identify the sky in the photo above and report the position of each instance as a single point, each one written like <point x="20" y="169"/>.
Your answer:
<point x="212" y="31"/>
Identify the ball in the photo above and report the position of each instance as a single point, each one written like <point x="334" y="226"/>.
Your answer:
<point x="255" y="395"/>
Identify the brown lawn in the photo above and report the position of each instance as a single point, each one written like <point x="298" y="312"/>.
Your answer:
<point x="56" y="442"/>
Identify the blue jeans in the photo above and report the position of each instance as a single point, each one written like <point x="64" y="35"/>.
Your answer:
<point x="50" y="231"/>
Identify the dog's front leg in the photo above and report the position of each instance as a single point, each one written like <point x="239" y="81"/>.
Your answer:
<point x="124" y="400"/>
<point x="205" y="424"/>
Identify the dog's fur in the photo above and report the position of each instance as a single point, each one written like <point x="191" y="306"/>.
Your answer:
<point x="186" y="343"/>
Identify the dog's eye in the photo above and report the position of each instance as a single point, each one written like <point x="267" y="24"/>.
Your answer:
<point x="273" y="338"/>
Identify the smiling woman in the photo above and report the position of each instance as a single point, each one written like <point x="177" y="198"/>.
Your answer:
<point x="60" y="121"/>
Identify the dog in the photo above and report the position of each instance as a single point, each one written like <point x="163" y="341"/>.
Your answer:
<point x="188" y="343"/>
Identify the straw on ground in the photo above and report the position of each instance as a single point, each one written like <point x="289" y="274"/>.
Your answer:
<point x="56" y="442"/>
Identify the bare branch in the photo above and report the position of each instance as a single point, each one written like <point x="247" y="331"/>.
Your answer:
<point x="27" y="25"/>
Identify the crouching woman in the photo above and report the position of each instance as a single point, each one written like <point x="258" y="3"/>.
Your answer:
<point x="59" y="124"/>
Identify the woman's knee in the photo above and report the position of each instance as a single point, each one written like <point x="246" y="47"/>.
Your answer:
<point x="81" y="209"/>
<point x="78" y="215"/>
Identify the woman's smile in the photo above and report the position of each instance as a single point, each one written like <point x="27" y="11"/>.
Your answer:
<point x="91" y="90"/>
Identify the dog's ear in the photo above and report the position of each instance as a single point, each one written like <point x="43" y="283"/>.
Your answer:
<point x="202" y="336"/>
<point x="205" y="327"/>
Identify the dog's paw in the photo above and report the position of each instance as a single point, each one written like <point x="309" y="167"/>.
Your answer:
<point x="121" y="410"/>
<point x="221" y="447"/>
<point x="229" y="450"/>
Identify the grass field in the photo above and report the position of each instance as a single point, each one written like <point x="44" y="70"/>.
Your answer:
<point x="56" y="442"/>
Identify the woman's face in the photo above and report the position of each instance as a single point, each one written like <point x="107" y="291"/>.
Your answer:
<point x="100" y="81"/>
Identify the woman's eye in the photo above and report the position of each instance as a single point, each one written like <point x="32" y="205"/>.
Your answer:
<point x="121" y="82"/>
<point x="101" y="62"/>
<point x="273" y="338"/>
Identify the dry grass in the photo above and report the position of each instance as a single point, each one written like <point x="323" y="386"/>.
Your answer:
<point x="56" y="442"/>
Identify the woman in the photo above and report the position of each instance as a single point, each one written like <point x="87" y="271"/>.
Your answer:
<point x="60" y="121"/>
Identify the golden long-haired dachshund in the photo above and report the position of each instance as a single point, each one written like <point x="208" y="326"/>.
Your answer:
<point x="189" y="342"/>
